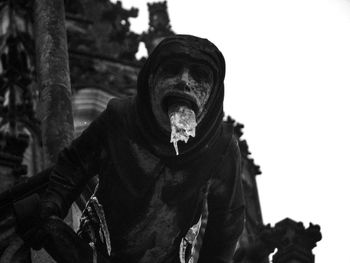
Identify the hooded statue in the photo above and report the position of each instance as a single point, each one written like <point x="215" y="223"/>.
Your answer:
<point x="151" y="194"/>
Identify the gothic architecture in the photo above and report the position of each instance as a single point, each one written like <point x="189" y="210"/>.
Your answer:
<point x="103" y="65"/>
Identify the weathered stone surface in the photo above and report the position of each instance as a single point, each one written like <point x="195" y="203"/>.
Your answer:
<point x="53" y="77"/>
<point x="293" y="241"/>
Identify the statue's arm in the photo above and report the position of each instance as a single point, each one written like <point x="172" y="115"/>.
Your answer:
<point x="226" y="211"/>
<point x="75" y="166"/>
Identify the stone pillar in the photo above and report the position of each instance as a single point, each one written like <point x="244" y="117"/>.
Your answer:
<point x="52" y="67"/>
<point x="55" y="108"/>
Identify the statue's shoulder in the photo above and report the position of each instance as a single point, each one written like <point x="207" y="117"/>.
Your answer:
<point x="119" y="112"/>
<point x="118" y="106"/>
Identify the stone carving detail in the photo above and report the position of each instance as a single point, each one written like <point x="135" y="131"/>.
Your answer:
<point x="159" y="25"/>
<point x="102" y="28"/>
<point x="243" y="145"/>
<point x="18" y="95"/>
<point x="101" y="46"/>
<point x="102" y="56"/>
<point x="16" y="111"/>
<point x="293" y="241"/>
<point x="250" y="249"/>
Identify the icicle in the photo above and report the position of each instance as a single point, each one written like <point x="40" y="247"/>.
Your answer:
<point x="183" y="125"/>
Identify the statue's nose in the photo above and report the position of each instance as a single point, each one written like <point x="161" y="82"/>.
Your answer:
<point x="185" y="76"/>
<point x="183" y="86"/>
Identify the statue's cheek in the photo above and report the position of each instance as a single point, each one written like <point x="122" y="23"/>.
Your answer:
<point x="164" y="85"/>
<point x="201" y="91"/>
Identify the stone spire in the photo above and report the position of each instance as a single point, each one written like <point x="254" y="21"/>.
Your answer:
<point x="159" y="25"/>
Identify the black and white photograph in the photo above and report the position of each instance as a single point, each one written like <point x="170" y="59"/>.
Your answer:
<point x="174" y="131"/>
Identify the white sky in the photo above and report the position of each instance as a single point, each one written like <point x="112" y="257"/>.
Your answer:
<point x="288" y="82"/>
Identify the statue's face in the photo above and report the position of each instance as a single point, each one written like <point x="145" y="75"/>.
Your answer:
<point x="180" y="81"/>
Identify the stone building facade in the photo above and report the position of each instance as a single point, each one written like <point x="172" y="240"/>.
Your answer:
<point x="102" y="65"/>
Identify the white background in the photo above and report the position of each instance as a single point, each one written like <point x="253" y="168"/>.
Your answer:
<point x="288" y="81"/>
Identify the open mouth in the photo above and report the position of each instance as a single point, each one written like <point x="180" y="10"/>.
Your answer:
<point x="178" y="99"/>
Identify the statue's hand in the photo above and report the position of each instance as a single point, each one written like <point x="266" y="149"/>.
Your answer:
<point x="45" y="231"/>
<point x="31" y="217"/>
<point x="63" y="244"/>
<point x="36" y="236"/>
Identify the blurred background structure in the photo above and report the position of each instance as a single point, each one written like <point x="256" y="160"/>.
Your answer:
<point x="103" y="65"/>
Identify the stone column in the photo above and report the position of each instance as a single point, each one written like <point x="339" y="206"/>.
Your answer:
<point x="55" y="109"/>
<point x="52" y="67"/>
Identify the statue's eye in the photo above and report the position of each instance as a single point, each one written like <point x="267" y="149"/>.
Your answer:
<point x="201" y="73"/>
<point x="172" y="68"/>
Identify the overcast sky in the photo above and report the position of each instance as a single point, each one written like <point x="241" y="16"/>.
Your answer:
<point x="288" y="82"/>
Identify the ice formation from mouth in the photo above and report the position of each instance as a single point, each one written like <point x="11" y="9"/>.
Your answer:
<point x="183" y="124"/>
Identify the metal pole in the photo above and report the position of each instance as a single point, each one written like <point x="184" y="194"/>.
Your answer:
<point x="55" y="109"/>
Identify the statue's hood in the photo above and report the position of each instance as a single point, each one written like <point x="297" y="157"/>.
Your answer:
<point x="190" y="47"/>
